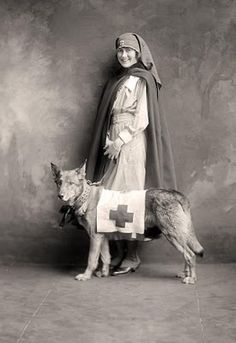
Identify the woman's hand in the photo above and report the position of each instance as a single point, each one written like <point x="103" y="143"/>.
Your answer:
<point x="112" y="148"/>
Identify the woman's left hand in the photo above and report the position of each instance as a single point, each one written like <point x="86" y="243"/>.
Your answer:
<point x="112" y="148"/>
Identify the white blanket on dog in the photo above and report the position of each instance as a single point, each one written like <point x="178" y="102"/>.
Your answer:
<point x="121" y="212"/>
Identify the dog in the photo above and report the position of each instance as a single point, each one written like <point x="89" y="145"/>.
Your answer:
<point x="166" y="211"/>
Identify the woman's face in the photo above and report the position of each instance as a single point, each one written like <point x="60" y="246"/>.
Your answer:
<point x="126" y="57"/>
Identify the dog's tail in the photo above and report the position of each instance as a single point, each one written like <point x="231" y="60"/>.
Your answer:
<point x="192" y="240"/>
<point x="194" y="245"/>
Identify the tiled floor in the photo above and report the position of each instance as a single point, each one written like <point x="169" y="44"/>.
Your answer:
<point x="42" y="304"/>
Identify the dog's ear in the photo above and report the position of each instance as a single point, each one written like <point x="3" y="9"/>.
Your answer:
<point x="82" y="169"/>
<point x="55" y="171"/>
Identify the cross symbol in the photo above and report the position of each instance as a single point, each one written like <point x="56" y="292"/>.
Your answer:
<point x="121" y="216"/>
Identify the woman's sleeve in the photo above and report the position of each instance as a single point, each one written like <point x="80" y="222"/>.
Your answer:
<point x="140" y="121"/>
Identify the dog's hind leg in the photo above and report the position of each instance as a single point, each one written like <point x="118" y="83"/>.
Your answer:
<point x="185" y="272"/>
<point x="190" y="266"/>
<point x="191" y="276"/>
<point x="96" y="241"/>
<point x="189" y="273"/>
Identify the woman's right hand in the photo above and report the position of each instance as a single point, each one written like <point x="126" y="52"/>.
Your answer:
<point x="112" y="148"/>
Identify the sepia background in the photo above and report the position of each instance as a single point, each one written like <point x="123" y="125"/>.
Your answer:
<point x="53" y="60"/>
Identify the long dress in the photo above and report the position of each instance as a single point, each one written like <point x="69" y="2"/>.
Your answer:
<point x="129" y="120"/>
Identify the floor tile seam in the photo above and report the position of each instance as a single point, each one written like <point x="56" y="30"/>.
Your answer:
<point x="199" y="313"/>
<point x="28" y="323"/>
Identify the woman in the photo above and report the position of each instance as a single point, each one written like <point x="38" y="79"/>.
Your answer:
<point x="131" y="147"/>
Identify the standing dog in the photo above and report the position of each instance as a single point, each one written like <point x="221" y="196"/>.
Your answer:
<point x="167" y="211"/>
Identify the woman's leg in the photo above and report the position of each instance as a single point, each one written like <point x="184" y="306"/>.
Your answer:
<point x="131" y="259"/>
<point x="119" y="253"/>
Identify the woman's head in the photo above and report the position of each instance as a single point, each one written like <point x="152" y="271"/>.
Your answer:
<point x="131" y="48"/>
<point x="127" y="57"/>
<point x="127" y="50"/>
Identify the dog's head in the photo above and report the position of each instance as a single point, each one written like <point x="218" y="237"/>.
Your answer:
<point x="69" y="182"/>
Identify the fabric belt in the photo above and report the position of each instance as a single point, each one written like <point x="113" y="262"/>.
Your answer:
<point x="121" y="117"/>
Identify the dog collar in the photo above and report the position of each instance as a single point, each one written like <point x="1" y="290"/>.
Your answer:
<point x="81" y="203"/>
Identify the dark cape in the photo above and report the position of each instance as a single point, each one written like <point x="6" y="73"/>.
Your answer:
<point x="160" y="171"/>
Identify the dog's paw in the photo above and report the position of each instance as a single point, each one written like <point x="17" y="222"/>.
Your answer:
<point x="105" y="270"/>
<point x="82" y="277"/>
<point x="105" y="273"/>
<point x="181" y="275"/>
<point x="102" y="273"/>
<point x="98" y="273"/>
<point x="189" y="280"/>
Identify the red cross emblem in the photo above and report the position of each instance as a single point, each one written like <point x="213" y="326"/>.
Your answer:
<point x="121" y="216"/>
<point x="122" y="43"/>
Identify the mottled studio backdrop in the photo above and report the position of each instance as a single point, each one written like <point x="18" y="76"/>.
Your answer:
<point x="53" y="54"/>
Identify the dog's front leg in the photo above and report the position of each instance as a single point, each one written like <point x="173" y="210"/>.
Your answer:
<point x="106" y="259"/>
<point x="96" y="241"/>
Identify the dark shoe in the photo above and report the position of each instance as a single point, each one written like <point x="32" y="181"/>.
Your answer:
<point x="123" y="270"/>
